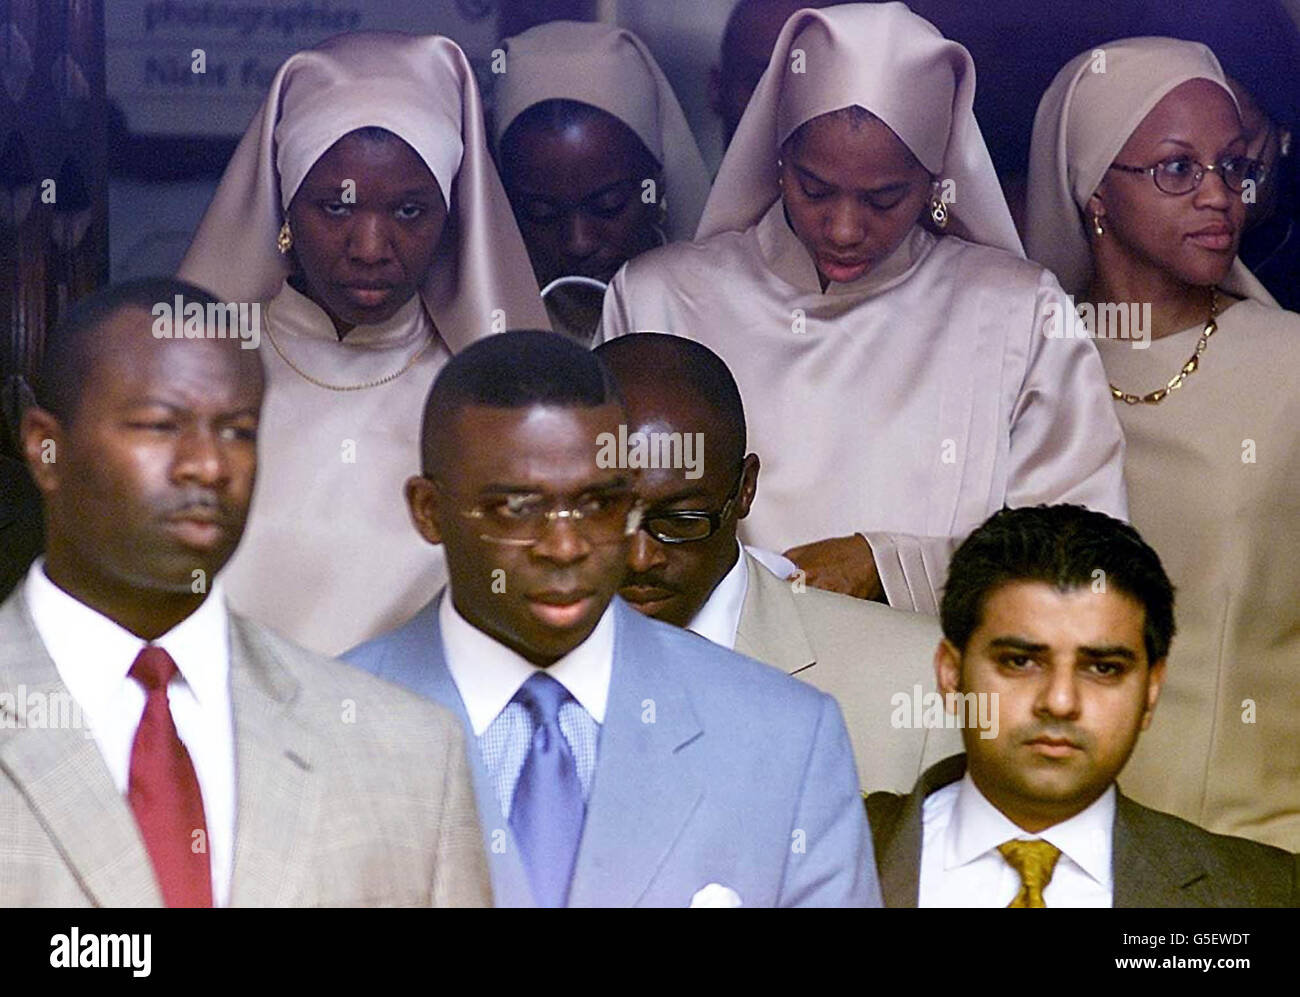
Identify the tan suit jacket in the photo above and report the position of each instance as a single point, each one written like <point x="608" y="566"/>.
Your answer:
<point x="350" y="791"/>
<point x="862" y="653"/>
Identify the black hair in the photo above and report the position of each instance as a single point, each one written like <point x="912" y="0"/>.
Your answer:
<point x="855" y="115"/>
<point x="556" y="115"/>
<point x="1064" y="546"/>
<point x="658" y="357"/>
<point x="71" y="347"/>
<point x="514" y="370"/>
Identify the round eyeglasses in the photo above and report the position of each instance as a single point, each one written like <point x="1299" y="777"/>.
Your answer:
<point x="1183" y="174"/>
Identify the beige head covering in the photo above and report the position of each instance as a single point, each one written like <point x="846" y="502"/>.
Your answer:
<point x="1083" y="120"/>
<point x="422" y="89"/>
<point x="882" y="57"/>
<point x="611" y="69"/>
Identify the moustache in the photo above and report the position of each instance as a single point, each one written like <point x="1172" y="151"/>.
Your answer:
<point x="638" y="580"/>
<point x="196" y="501"/>
<point x="1057" y="732"/>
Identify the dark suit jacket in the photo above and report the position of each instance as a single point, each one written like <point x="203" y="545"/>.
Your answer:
<point x="1159" y="860"/>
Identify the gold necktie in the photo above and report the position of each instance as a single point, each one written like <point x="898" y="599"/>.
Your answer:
<point x="1035" y="861"/>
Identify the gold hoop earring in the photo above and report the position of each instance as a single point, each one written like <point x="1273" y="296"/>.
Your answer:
<point x="1096" y="225"/>
<point x="284" y="241"/>
<point x="938" y="211"/>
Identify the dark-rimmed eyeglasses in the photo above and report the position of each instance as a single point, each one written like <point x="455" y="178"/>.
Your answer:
<point x="1183" y="174"/>
<point x="691" y="525"/>
<point x="520" y="519"/>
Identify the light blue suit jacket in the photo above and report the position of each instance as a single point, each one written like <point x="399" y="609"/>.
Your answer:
<point x="711" y="769"/>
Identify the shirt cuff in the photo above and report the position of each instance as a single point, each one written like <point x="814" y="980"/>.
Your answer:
<point x="911" y="568"/>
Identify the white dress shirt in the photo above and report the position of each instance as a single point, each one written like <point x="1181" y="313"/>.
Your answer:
<point x="778" y="564"/>
<point x="487" y="676"/>
<point x="961" y="866"/>
<point x="719" y="618"/>
<point x="93" y="655"/>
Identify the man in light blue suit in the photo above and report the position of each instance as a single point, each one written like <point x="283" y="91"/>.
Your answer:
<point x="618" y="761"/>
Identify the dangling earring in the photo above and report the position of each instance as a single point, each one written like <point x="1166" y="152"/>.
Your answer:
<point x="284" y="241"/>
<point x="938" y="211"/>
<point x="1096" y="224"/>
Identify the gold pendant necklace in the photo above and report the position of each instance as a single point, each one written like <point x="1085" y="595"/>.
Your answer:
<point x="347" y="387"/>
<point x="1175" y="382"/>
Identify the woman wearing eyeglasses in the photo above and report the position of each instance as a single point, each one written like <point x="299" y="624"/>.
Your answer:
<point x="1138" y="186"/>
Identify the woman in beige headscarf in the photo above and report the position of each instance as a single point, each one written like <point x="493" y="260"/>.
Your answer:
<point x="1123" y="206"/>
<point x="597" y="158"/>
<point x="897" y="378"/>
<point x="363" y="211"/>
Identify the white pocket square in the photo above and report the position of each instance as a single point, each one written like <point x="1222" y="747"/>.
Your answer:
<point x="716" y="895"/>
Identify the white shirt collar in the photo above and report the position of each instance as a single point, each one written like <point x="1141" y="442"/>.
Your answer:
<point x="777" y="564"/>
<point x="977" y="827"/>
<point x="199" y="644"/>
<point x="718" y="619"/>
<point x="488" y="674"/>
<point x="93" y="656"/>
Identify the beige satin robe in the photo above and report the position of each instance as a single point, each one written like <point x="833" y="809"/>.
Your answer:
<point x="1214" y="484"/>
<point x="907" y="406"/>
<point x="330" y="557"/>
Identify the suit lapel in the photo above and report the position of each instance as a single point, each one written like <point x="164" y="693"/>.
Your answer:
<point x="277" y="783"/>
<point x="62" y="774"/>
<point x="425" y="672"/>
<point x="1170" y="881"/>
<point x="899" y="865"/>
<point x="1148" y="869"/>
<point x="646" y="785"/>
<point x="770" y="624"/>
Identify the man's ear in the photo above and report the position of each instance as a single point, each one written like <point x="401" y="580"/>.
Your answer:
<point x="1155" y="682"/>
<point x="42" y="439"/>
<point x="947" y="668"/>
<point x="422" y="501"/>
<point x="748" y="485"/>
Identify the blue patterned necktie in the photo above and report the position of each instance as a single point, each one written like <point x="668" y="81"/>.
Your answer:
<point x="547" y="811"/>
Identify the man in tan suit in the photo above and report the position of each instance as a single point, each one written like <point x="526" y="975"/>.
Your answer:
<point x="687" y="567"/>
<point x="155" y="748"/>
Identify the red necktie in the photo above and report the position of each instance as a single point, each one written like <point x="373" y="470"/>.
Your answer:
<point x="164" y="791"/>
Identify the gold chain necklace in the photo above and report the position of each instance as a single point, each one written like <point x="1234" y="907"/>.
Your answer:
<point x="1175" y="382"/>
<point x="347" y="387"/>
